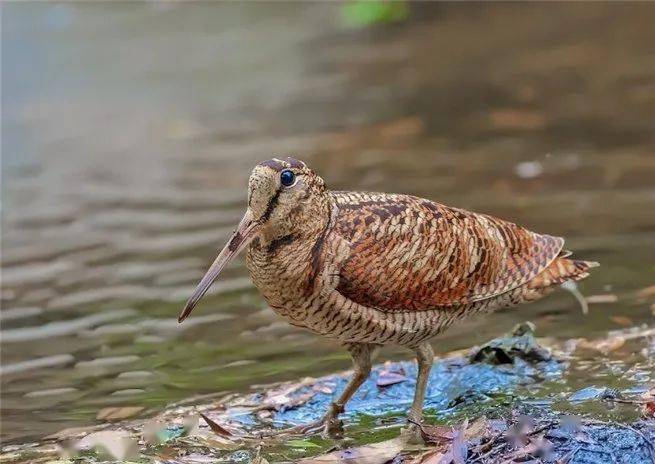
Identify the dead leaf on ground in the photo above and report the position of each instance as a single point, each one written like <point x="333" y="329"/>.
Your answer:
<point x="431" y="457"/>
<point x="286" y="397"/>
<point x="480" y="428"/>
<point x="535" y="447"/>
<point x="602" y="299"/>
<point x="391" y="374"/>
<point x="118" y="413"/>
<point x="437" y="434"/>
<point x="459" y="446"/>
<point x="216" y="428"/>
<point x="648" y="409"/>
<point x="376" y="453"/>
<point x="451" y="442"/>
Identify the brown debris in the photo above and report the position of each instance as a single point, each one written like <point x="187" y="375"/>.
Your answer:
<point x="391" y="374"/>
<point x="216" y="428"/>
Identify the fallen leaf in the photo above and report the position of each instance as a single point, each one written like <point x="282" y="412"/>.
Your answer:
<point x="477" y="429"/>
<point x="118" y="412"/>
<point x="433" y="457"/>
<point x="286" y="397"/>
<point x="459" y="446"/>
<point x="437" y="434"/>
<point x="391" y="374"/>
<point x="216" y="428"/>
<point x="602" y="299"/>
<point x="648" y="409"/>
<point x="376" y="453"/>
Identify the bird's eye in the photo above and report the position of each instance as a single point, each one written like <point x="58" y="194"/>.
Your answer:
<point x="287" y="177"/>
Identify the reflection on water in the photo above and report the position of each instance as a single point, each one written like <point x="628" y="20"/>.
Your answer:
<point x="129" y="131"/>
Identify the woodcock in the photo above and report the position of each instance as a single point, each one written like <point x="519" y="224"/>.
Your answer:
<point x="372" y="269"/>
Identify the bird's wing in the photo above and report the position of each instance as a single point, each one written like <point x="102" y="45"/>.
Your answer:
<point x="408" y="253"/>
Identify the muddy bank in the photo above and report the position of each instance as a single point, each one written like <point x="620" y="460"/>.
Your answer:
<point x="511" y="399"/>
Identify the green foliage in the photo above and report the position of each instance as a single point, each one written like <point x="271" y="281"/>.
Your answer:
<point x="362" y="13"/>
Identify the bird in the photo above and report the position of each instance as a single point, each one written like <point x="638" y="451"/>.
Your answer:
<point x="373" y="269"/>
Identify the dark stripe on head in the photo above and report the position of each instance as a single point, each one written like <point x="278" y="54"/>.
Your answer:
<point x="294" y="163"/>
<point x="272" y="203"/>
<point x="274" y="164"/>
<point x="280" y="242"/>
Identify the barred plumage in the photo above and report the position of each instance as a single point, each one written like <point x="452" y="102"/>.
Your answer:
<point x="370" y="269"/>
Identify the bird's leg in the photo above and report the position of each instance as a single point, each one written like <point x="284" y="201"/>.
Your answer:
<point x="424" y="359"/>
<point x="362" y="354"/>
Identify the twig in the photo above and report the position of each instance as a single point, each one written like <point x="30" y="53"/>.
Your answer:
<point x="493" y="450"/>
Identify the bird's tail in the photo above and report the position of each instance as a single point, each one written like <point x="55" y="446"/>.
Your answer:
<point x="562" y="269"/>
<point x="565" y="272"/>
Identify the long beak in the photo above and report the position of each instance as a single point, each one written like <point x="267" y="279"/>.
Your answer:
<point x="244" y="233"/>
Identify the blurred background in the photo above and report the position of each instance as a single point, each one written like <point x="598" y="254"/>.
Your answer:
<point x="129" y="131"/>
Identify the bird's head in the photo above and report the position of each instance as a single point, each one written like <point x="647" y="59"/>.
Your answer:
<point x="285" y="198"/>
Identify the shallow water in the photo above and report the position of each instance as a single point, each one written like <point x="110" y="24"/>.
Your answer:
<point x="129" y="131"/>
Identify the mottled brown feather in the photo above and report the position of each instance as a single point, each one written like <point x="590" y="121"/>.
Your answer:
<point x="408" y="253"/>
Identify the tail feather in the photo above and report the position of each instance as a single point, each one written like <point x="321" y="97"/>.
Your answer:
<point x="562" y="270"/>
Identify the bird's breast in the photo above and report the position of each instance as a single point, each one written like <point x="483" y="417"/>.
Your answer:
<point x="281" y="270"/>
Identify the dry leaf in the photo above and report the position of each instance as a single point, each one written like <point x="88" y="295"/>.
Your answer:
<point x="216" y="428"/>
<point x="648" y="408"/>
<point x="478" y="429"/>
<point x="118" y="412"/>
<point x="459" y="446"/>
<point x="376" y="453"/>
<point x="391" y="374"/>
<point x="286" y="397"/>
<point x="432" y="457"/>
